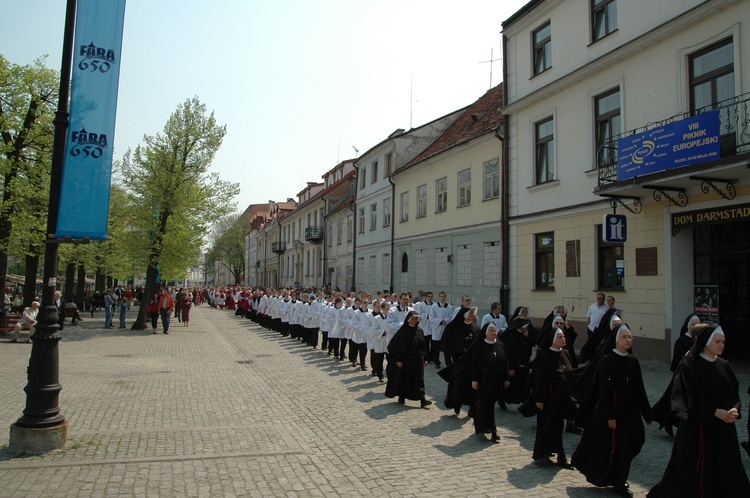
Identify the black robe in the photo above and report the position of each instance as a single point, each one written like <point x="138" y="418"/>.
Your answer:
<point x="551" y="388"/>
<point x="489" y="368"/>
<point x="518" y="349"/>
<point x="409" y="348"/>
<point x="662" y="408"/>
<point x="622" y="397"/>
<point x="706" y="459"/>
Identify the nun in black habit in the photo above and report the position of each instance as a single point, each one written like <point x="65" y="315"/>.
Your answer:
<point x="614" y="433"/>
<point x="458" y="338"/>
<point x="523" y="312"/>
<point x="551" y="367"/>
<point x="662" y="408"/>
<point x="406" y="360"/>
<point x="518" y="348"/>
<point x="558" y="319"/>
<point x="489" y="376"/>
<point x="706" y="458"/>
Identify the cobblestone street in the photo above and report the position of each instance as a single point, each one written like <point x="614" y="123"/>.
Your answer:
<point x="226" y="408"/>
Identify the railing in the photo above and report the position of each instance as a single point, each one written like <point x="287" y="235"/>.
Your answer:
<point x="278" y="247"/>
<point x="735" y="137"/>
<point x="314" y="234"/>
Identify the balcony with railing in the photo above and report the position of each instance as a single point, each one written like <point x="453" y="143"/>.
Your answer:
<point x="278" y="247"/>
<point x="671" y="183"/>
<point x="315" y="234"/>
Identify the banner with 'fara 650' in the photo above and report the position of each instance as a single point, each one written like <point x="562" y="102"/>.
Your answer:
<point x="87" y="168"/>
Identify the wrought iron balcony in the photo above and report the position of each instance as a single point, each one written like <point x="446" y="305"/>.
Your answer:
<point x="735" y="134"/>
<point x="278" y="247"/>
<point x="314" y="234"/>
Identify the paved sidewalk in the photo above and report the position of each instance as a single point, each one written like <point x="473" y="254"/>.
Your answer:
<point x="226" y="408"/>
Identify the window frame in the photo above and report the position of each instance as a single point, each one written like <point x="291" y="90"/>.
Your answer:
<point x="404" y="204"/>
<point x="387" y="212"/>
<point x="544" y="146"/>
<point x="421" y="201"/>
<point x="464" y="188"/>
<point x="361" y="217"/>
<point x="605" y="247"/>
<point x="388" y="169"/>
<point x="540" y="254"/>
<point x="373" y="216"/>
<point x="609" y="118"/>
<point x="541" y="49"/>
<point x="441" y="194"/>
<point x="363" y="179"/>
<point x="491" y="180"/>
<point x="373" y="171"/>
<point x="600" y="9"/>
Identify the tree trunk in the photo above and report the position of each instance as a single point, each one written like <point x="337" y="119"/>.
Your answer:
<point x="29" y="286"/>
<point x="149" y="289"/>
<point x="99" y="280"/>
<point x="70" y="276"/>
<point x="81" y="288"/>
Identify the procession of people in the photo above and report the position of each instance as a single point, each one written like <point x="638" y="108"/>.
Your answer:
<point x="596" y="392"/>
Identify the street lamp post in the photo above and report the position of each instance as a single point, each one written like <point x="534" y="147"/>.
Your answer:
<point x="43" y="427"/>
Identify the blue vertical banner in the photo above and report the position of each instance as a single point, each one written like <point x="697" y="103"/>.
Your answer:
<point x="87" y="168"/>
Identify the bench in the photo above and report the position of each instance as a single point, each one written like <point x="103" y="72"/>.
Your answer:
<point x="8" y="322"/>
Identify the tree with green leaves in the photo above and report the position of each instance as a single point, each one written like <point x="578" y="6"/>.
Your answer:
<point x="174" y="198"/>
<point x="28" y="99"/>
<point x="229" y="244"/>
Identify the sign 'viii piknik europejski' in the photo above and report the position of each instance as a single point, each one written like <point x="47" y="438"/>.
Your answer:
<point x="692" y="140"/>
<point x="87" y="168"/>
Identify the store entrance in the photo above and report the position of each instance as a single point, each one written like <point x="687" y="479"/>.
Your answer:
<point x="722" y="258"/>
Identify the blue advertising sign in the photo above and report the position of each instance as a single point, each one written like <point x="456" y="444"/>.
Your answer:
<point x="615" y="228"/>
<point x="87" y="168"/>
<point x="691" y="140"/>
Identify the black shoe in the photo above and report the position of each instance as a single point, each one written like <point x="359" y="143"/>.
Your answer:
<point x="573" y="429"/>
<point x="622" y="490"/>
<point x="542" y="462"/>
<point x="495" y="438"/>
<point x="166" y="333"/>
<point x="425" y="403"/>
<point x="502" y="406"/>
<point x="456" y="410"/>
<point x="401" y="401"/>
<point x="669" y="430"/>
<point x="565" y="464"/>
<point x="380" y="378"/>
<point x="364" y="369"/>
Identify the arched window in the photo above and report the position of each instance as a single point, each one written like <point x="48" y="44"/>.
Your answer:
<point x="405" y="263"/>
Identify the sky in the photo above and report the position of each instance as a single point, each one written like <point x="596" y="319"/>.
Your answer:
<point x="299" y="84"/>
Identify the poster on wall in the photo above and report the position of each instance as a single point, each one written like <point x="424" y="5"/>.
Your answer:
<point x="706" y="303"/>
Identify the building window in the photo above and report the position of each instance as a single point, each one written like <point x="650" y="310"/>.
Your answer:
<point x="330" y="235"/>
<point x="603" y="18"/>
<point x="339" y="231"/>
<point x="441" y="195"/>
<point x="421" y="201"/>
<point x="464" y="188"/>
<point x="712" y="81"/>
<point x="611" y="263"/>
<point x="373" y="172"/>
<point x="362" y="177"/>
<point x="404" y="207"/>
<point x="542" y="40"/>
<point x="405" y="263"/>
<point x="544" y="257"/>
<point x="491" y="179"/>
<point x="373" y="216"/>
<point x="361" y="227"/>
<point x="607" y="125"/>
<point x="349" y="228"/>
<point x="388" y="165"/>
<point x="544" y="133"/>
<point x="387" y="212"/>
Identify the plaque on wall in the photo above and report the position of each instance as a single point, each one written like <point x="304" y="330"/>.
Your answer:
<point x="645" y="261"/>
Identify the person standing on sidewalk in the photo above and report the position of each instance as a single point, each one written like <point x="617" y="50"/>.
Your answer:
<point x="109" y="304"/>
<point x="166" y="308"/>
